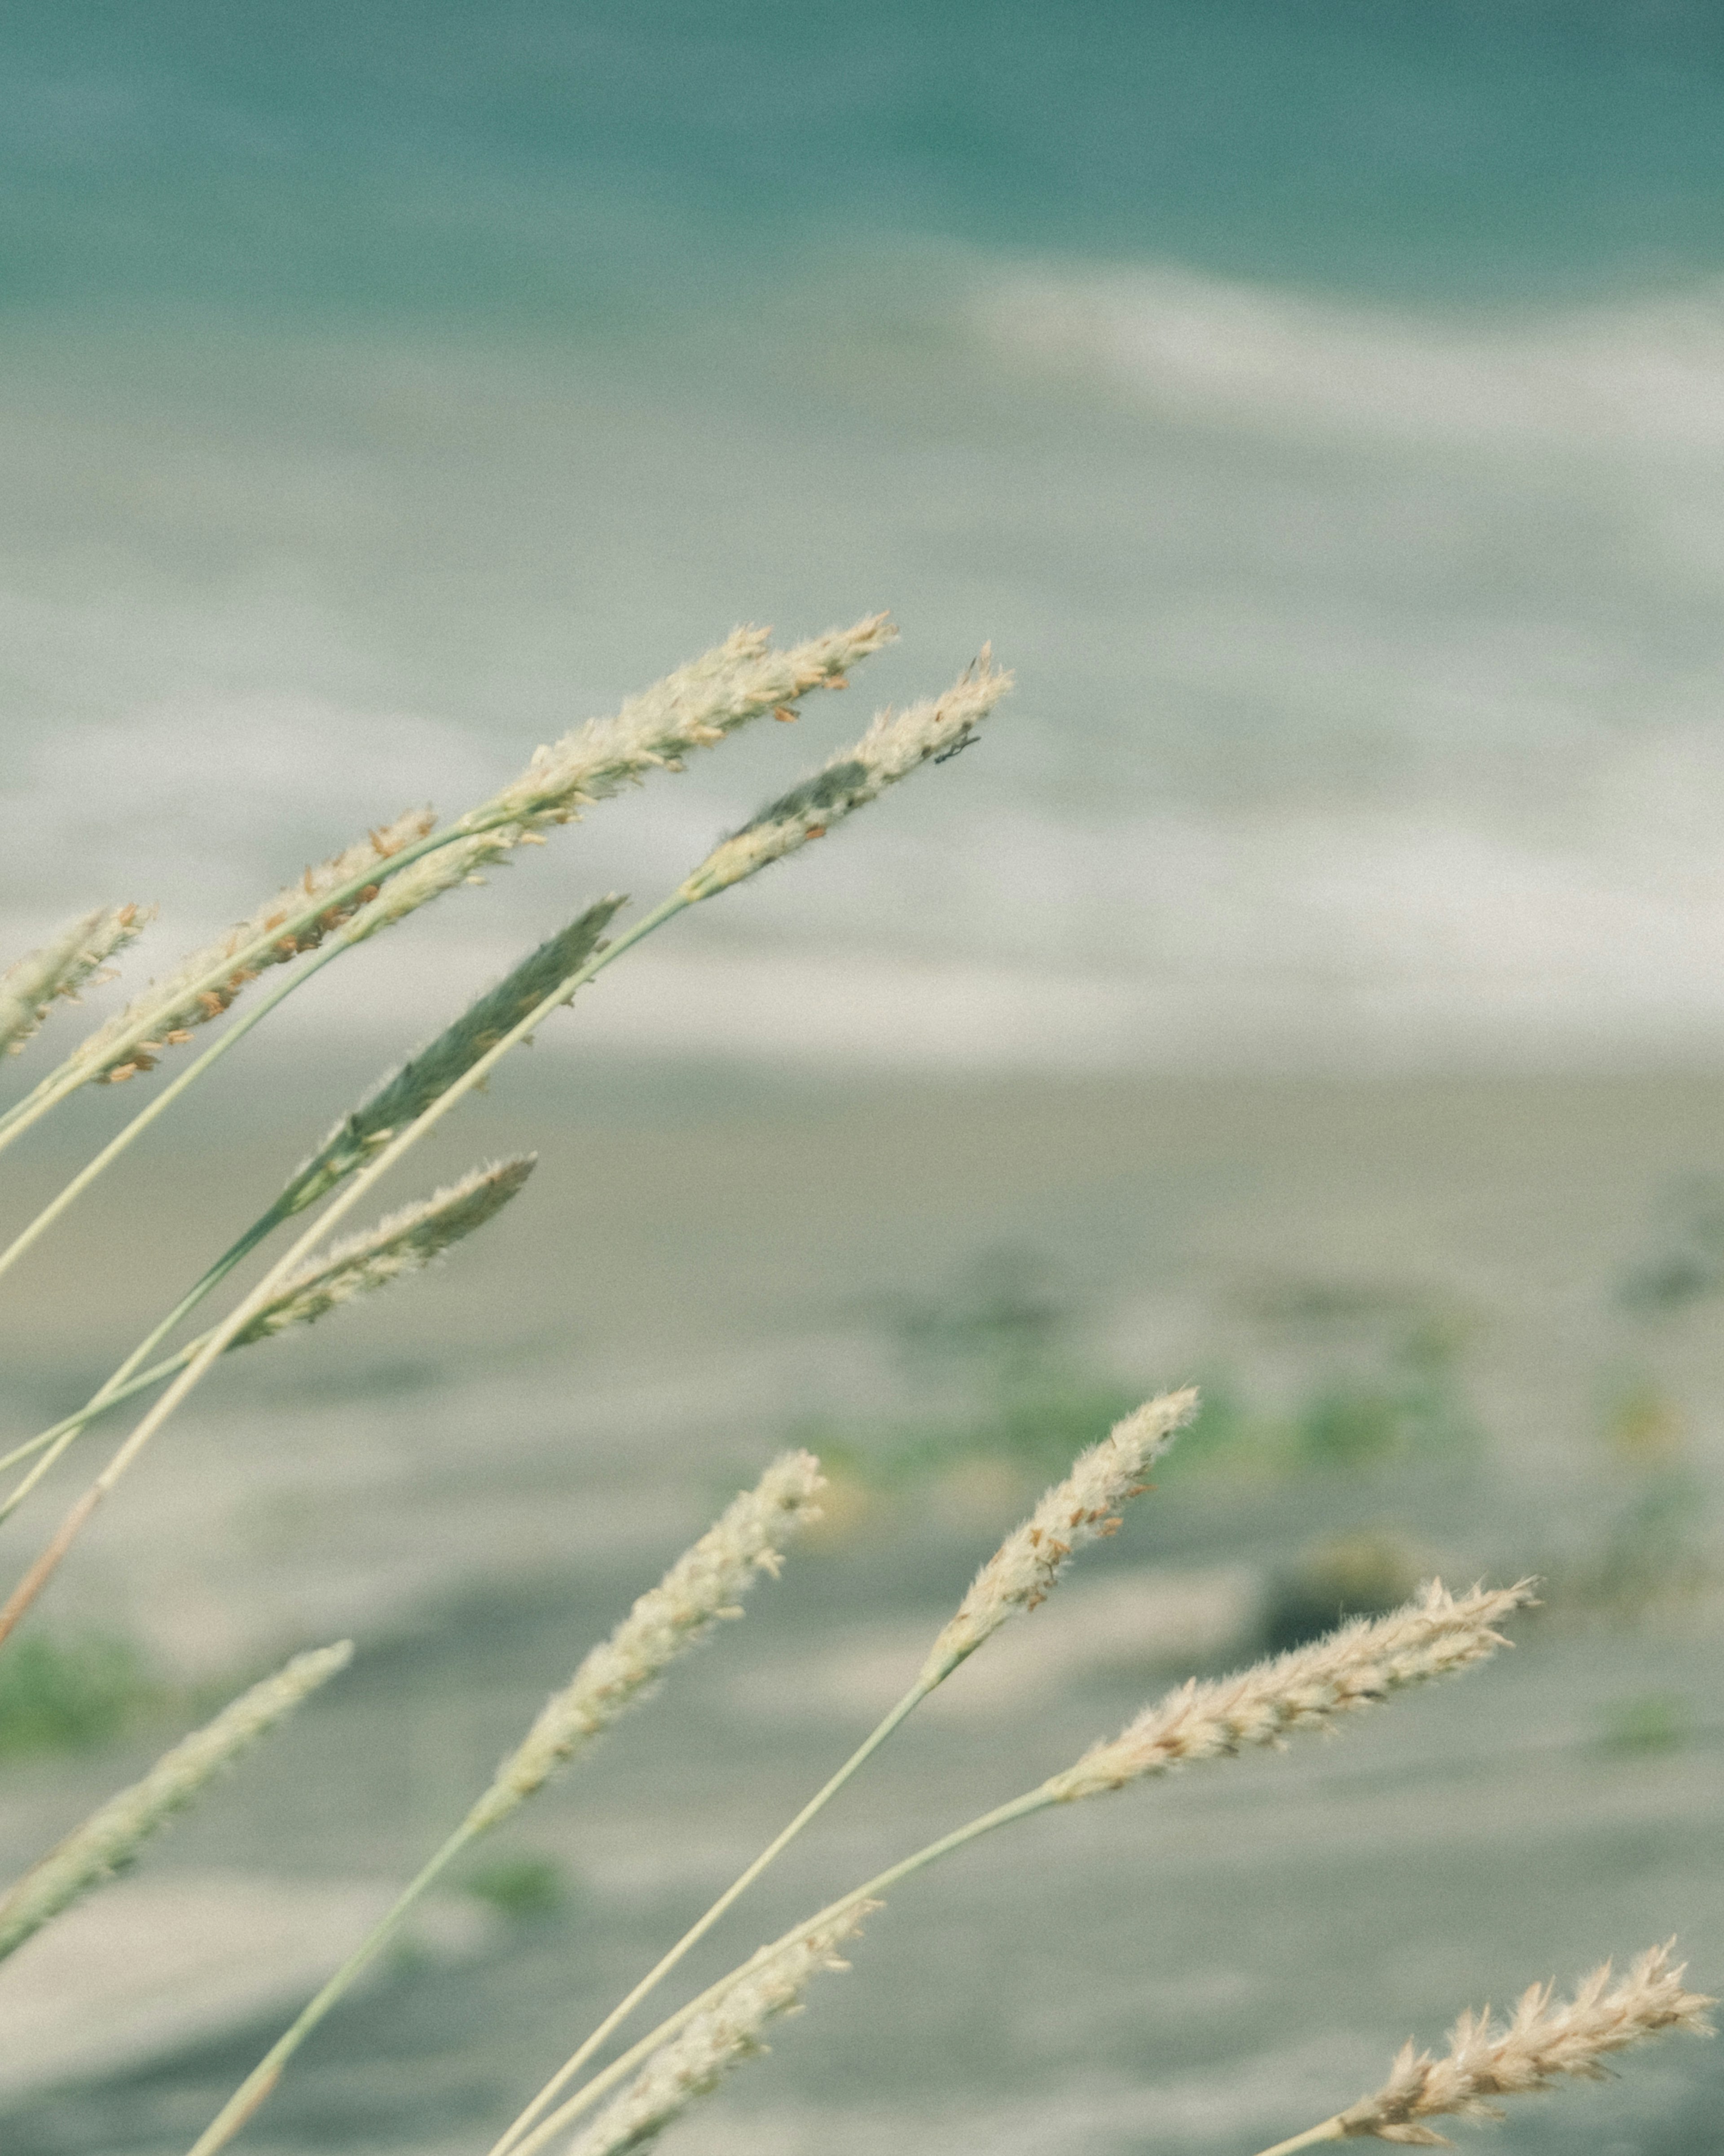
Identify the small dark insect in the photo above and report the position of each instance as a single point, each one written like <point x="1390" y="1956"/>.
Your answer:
<point x="957" y="748"/>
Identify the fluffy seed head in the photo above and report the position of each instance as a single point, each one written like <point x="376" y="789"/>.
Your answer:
<point x="893" y="746"/>
<point x="169" y="1009"/>
<point x="405" y="1241"/>
<point x="111" y="1836"/>
<point x="705" y="1584"/>
<point x="699" y="704"/>
<point x="30" y="989"/>
<point x="1023" y="1571"/>
<point x="405" y="1097"/>
<point x="717" y="2040"/>
<point x="1541" y="2042"/>
<point x="1310" y="1687"/>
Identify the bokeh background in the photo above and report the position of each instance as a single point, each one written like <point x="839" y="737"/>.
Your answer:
<point x="1310" y="986"/>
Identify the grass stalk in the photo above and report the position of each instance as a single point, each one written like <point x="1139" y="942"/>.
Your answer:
<point x="48" y="1562"/>
<point x="118" y="1386"/>
<point x="161" y="1102"/>
<point x="76" y="1071"/>
<point x="892" y="747"/>
<point x="255" y="2089"/>
<point x="1331" y="2129"/>
<point x="696" y="1932"/>
<point x="699" y="1590"/>
<point x="1435" y="1634"/>
<point x="1024" y="1807"/>
<point x="1085" y="1506"/>
<point x="698" y="704"/>
<point x="405" y="1241"/>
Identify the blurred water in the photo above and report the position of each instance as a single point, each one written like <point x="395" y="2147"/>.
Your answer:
<point x="1320" y="414"/>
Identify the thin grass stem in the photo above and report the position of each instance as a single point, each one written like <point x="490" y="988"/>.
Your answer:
<point x="76" y="1071"/>
<point x="1361" y="1663"/>
<point x="1331" y="2129"/>
<point x="48" y="1562"/>
<point x="161" y="1102"/>
<point x="64" y="1432"/>
<point x="1024" y="1807"/>
<point x="255" y="2088"/>
<point x="700" y="1589"/>
<point x="1085" y="1506"/>
<point x="97" y="1404"/>
<point x="691" y="708"/>
<point x="564" y="2074"/>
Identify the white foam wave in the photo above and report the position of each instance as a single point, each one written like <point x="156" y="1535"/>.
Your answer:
<point x="1645" y="372"/>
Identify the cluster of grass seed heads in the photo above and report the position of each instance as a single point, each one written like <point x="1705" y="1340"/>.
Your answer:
<point x="1542" y="2042"/>
<point x="404" y="1241"/>
<point x="1310" y="1687"/>
<point x="705" y="1585"/>
<point x="110" y="1837"/>
<point x="1084" y="1508"/>
<point x="697" y="705"/>
<point x="170" y="1009"/>
<point x="403" y="1098"/>
<point x="718" y="2040"/>
<point x="893" y="746"/>
<point x="77" y="956"/>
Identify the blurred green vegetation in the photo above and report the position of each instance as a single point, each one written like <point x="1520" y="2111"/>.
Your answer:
<point x="519" y="1887"/>
<point x="1653" y="1722"/>
<point x="1379" y="1383"/>
<point x="69" y="1692"/>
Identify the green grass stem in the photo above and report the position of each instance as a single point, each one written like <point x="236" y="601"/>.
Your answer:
<point x="564" y="2074"/>
<point x="1024" y="1807"/>
<point x="31" y="1585"/>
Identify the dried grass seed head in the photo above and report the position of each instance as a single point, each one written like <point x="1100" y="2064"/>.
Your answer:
<point x="893" y="745"/>
<point x="1542" y="2042"/>
<point x="404" y="1241"/>
<point x="698" y="704"/>
<point x="717" y="2040"/>
<point x="1310" y="1687"/>
<point x="77" y="956"/>
<point x="404" y="1097"/>
<point x="169" y="1009"/>
<point x="111" y="1836"/>
<point x="1084" y="1508"/>
<point x="706" y="1584"/>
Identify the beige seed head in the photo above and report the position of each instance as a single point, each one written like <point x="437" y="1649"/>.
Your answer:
<point x="169" y="1009"/>
<point x="717" y="2040"/>
<point x="1310" y="1687"/>
<point x="893" y="746"/>
<point x="112" y="1836"/>
<point x="78" y="955"/>
<point x="1542" y="2042"/>
<point x="405" y="1241"/>
<point x="698" y="704"/>
<point x="705" y="1584"/>
<point x="402" y="1099"/>
<point x="1083" y="1508"/>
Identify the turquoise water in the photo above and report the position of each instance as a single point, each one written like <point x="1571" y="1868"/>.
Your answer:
<point x="1319" y="406"/>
